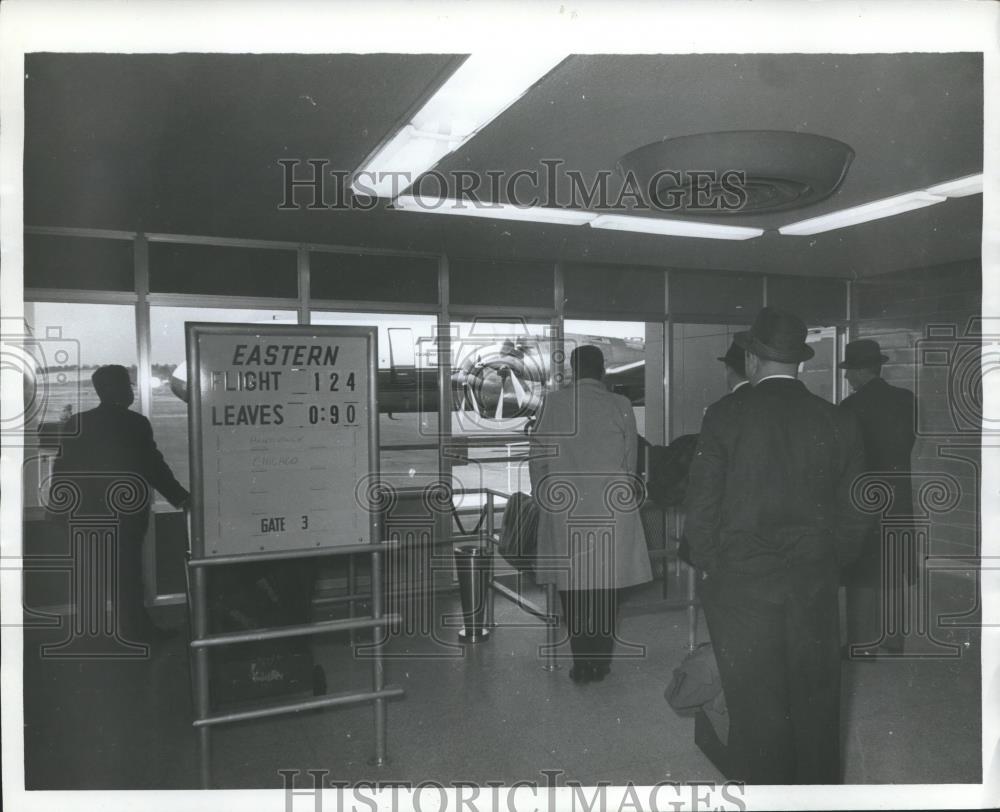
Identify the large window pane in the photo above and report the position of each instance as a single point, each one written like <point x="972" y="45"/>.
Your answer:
<point x="624" y="345"/>
<point x="407" y="374"/>
<point x="817" y="372"/>
<point x="500" y="369"/>
<point x="169" y="413"/>
<point x="72" y="340"/>
<point x="503" y="469"/>
<point x="418" y="464"/>
<point x="699" y="378"/>
<point x="69" y="342"/>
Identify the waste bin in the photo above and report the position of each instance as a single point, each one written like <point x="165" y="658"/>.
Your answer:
<point x="472" y="563"/>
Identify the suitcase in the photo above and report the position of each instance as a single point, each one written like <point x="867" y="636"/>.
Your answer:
<point x="261" y="671"/>
<point x="255" y="596"/>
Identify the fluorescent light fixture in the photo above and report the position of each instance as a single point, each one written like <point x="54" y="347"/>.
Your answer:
<point x="962" y="187"/>
<point x="475" y="94"/>
<point x="876" y="210"/>
<point x="674" y="228"/>
<point x="496" y="211"/>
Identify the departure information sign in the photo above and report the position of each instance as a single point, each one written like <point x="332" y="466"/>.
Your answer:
<point x="284" y="427"/>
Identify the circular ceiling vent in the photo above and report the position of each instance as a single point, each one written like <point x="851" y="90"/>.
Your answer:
<point x="737" y="172"/>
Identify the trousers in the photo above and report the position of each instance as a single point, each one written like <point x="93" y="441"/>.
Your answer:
<point x="879" y="593"/>
<point x="591" y="619"/>
<point x="777" y="645"/>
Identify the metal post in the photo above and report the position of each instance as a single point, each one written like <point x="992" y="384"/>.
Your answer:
<point x="302" y="269"/>
<point x="352" y="580"/>
<point x="144" y="383"/>
<point x="202" y="700"/>
<point x="552" y="627"/>
<point x="559" y="322"/>
<point x="442" y="518"/>
<point x="144" y="370"/>
<point x="667" y="535"/>
<point x="692" y="609"/>
<point x="668" y="363"/>
<point x="490" y="595"/>
<point x="378" y="668"/>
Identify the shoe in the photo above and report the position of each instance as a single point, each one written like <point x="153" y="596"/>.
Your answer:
<point x="598" y="671"/>
<point x="580" y="673"/>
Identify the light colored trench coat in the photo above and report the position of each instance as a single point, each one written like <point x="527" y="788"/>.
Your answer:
<point x="583" y="462"/>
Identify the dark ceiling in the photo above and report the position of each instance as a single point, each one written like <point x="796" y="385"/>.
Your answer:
<point x="189" y="143"/>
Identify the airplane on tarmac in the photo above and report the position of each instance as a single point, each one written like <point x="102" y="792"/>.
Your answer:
<point x="497" y="378"/>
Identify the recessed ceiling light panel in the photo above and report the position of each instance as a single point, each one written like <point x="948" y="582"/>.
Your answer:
<point x="876" y="210"/>
<point x="495" y="211"/>
<point x="779" y="170"/>
<point x="674" y="228"/>
<point x="962" y="187"/>
<point x="476" y="93"/>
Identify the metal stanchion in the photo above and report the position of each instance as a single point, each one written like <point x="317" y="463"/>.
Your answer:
<point x="490" y="528"/>
<point x="199" y="612"/>
<point x="552" y="627"/>
<point x="378" y="667"/>
<point x="202" y="641"/>
<point x="351" y="590"/>
<point x="692" y="608"/>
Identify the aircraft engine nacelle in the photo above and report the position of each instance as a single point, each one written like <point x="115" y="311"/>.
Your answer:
<point x="499" y="381"/>
<point x="179" y="381"/>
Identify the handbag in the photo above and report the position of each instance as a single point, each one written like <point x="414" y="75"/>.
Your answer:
<point x="519" y="531"/>
<point x="696" y="687"/>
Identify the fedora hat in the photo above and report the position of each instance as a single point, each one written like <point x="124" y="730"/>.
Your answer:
<point x="734" y="359"/>
<point x="776" y="336"/>
<point x="861" y="354"/>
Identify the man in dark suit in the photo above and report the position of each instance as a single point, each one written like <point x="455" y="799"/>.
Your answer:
<point x="109" y="440"/>
<point x="886" y="415"/>
<point x="769" y="522"/>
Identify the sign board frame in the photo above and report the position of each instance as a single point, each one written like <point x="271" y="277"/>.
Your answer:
<point x="194" y="332"/>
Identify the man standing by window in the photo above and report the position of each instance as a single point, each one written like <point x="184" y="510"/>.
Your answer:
<point x="769" y="522"/>
<point x="590" y="537"/>
<point x="113" y="440"/>
<point x="886" y="416"/>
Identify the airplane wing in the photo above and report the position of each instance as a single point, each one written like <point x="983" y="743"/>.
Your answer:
<point x="628" y="380"/>
<point x="625" y="368"/>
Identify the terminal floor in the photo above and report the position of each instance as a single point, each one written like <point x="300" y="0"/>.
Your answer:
<point x="483" y="713"/>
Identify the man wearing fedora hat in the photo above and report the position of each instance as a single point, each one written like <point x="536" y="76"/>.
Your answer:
<point x="736" y="372"/>
<point x="886" y="415"/>
<point x="769" y="522"/>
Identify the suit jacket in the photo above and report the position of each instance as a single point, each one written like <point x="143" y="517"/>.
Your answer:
<point x="740" y="391"/>
<point x="769" y="489"/>
<point x="886" y="415"/>
<point x="113" y="440"/>
<point x="583" y="462"/>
